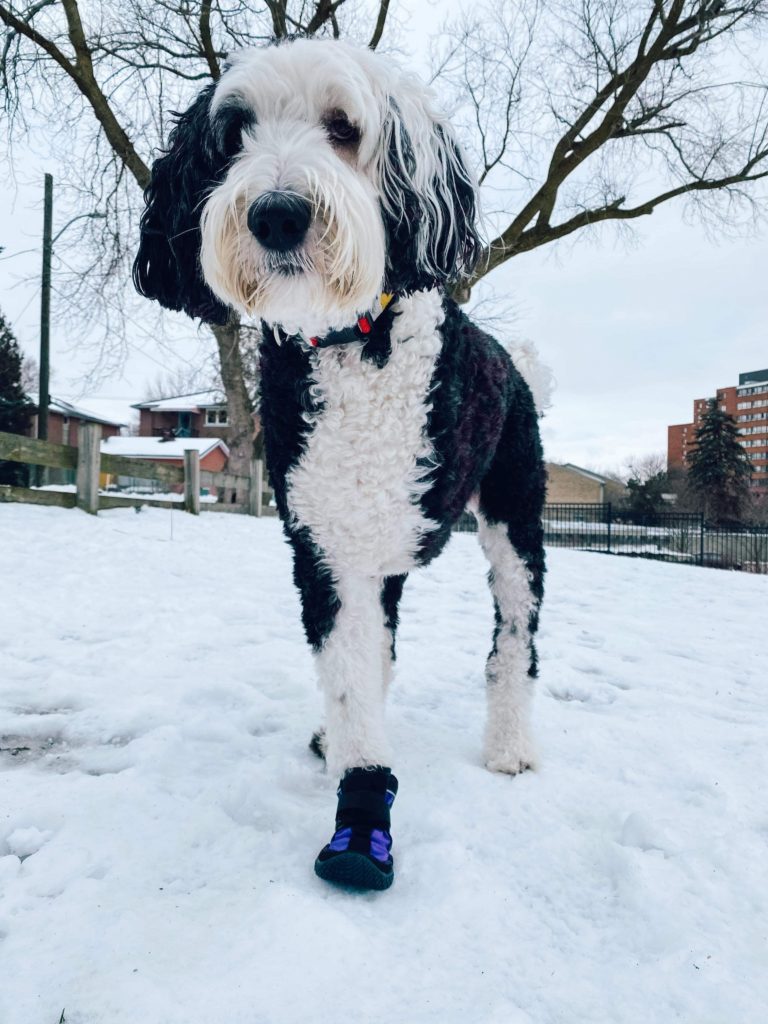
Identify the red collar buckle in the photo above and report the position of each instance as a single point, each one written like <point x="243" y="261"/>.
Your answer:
<point x="364" y="324"/>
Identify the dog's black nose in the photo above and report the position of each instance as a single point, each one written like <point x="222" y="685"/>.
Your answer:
<point x="280" y="220"/>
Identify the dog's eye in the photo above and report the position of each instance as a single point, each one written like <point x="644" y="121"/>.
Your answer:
<point x="340" y="129"/>
<point x="230" y="122"/>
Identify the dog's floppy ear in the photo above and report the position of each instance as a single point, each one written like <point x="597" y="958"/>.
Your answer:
<point x="429" y="201"/>
<point x="167" y="266"/>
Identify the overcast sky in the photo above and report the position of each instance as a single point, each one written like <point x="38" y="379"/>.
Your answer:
<point x="633" y="333"/>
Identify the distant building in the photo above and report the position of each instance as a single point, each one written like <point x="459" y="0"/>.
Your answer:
<point x="569" y="484"/>
<point x="213" y="452"/>
<point x="213" y="456"/>
<point x="747" y="402"/>
<point x="202" y="414"/>
<point x="64" y="418"/>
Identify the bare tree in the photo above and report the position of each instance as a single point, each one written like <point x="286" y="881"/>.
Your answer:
<point x="579" y="112"/>
<point x="30" y="374"/>
<point x="129" y="66"/>
<point x="645" y="467"/>
<point x="181" y="381"/>
<point x="604" y="110"/>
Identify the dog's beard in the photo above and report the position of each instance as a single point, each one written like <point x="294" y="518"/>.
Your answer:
<point x="288" y="263"/>
<point x="325" y="284"/>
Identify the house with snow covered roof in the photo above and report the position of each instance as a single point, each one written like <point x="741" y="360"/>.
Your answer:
<point x="212" y="450"/>
<point x="64" y="418"/>
<point x="201" y="414"/>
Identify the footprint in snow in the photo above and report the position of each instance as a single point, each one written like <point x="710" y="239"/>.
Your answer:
<point x="591" y="640"/>
<point x="582" y="695"/>
<point x="23" y="842"/>
<point x="639" y="833"/>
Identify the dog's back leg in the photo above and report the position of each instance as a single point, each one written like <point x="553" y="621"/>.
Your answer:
<point x="509" y="527"/>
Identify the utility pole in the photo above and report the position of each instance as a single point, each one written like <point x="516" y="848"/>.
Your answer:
<point x="45" y="312"/>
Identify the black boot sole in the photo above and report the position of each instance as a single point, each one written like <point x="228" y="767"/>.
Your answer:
<point x="354" y="870"/>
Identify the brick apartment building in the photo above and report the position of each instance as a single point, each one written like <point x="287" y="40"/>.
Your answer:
<point x="747" y="402"/>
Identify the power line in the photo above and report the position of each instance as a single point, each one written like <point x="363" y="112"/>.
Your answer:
<point x="13" y="255"/>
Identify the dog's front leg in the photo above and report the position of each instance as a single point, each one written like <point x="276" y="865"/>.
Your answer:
<point x="350" y="668"/>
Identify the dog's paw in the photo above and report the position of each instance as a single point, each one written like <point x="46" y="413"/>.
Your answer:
<point x="317" y="744"/>
<point x="511" y="764"/>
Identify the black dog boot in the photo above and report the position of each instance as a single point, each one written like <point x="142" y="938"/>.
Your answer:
<point x="358" y="855"/>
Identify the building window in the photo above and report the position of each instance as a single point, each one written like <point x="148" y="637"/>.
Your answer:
<point x="216" y="418"/>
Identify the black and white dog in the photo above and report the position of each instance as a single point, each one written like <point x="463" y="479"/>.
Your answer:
<point x="317" y="188"/>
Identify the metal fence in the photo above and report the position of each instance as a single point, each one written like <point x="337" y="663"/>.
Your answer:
<point x="668" y="536"/>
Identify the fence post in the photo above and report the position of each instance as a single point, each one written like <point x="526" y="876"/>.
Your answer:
<point x="610" y="511"/>
<point x="192" y="481"/>
<point x="88" y="466"/>
<point x="701" y="538"/>
<point x="256" y="487"/>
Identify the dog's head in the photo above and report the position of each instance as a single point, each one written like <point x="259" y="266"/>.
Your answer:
<point x="311" y="177"/>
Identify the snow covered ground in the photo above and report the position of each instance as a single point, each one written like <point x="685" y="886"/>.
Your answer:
<point x="160" y="813"/>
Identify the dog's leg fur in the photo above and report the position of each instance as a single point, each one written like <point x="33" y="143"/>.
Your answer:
<point x="509" y="528"/>
<point x="391" y="591"/>
<point x="349" y="666"/>
<point x="508" y="746"/>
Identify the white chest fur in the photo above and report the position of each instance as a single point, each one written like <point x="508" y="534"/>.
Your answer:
<point x="368" y="456"/>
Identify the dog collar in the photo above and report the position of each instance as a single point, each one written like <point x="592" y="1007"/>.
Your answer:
<point x="362" y="328"/>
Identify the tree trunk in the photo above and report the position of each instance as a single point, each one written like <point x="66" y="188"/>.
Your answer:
<point x="239" y="407"/>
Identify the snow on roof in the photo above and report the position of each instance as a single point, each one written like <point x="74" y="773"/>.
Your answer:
<point x="94" y="409"/>
<point x="584" y="472"/>
<point x="110" y="410"/>
<point x="156" y="448"/>
<point x="184" y="403"/>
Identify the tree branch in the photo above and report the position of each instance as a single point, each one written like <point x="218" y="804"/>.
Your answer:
<point x="207" y="42"/>
<point x="277" y="10"/>
<point x="380" y="22"/>
<point x="541" y="234"/>
<point x="81" y="73"/>
<point x="325" y="10"/>
<point x="24" y="29"/>
<point x="656" y="47"/>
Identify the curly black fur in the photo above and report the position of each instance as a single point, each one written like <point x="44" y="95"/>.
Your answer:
<point x="167" y="266"/>
<point x="473" y="385"/>
<point x="457" y="244"/>
<point x="391" y="592"/>
<point x="285" y="397"/>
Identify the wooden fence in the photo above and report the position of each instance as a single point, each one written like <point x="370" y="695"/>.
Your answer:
<point x="244" y="494"/>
